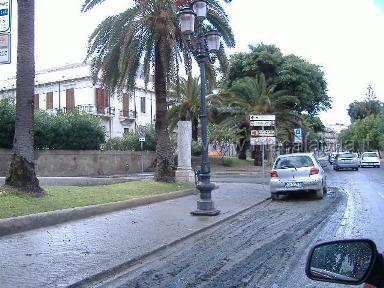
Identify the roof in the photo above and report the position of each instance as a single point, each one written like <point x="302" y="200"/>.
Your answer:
<point x="66" y="72"/>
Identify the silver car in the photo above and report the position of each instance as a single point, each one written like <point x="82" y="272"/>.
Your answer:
<point x="346" y="160"/>
<point x="298" y="172"/>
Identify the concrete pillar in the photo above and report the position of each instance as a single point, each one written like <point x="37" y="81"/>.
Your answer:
<point x="184" y="170"/>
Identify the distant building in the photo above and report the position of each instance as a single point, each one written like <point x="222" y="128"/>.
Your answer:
<point x="338" y="127"/>
<point x="330" y="135"/>
<point x="70" y="87"/>
<point x="330" y="139"/>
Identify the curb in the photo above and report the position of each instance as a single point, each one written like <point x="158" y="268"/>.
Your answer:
<point x="44" y="219"/>
<point x="97" y="278"/>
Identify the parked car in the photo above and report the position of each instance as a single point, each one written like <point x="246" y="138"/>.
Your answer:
<point x="370" y="159"/>
<point x="298" y="172"/>
<point x="346" y="160"/>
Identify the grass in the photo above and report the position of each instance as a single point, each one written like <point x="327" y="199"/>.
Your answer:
<point x="235" y="162"/>
<point x="60" y="197"/>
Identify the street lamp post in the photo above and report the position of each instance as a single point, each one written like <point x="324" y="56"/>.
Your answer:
<point x="204" y="48"/>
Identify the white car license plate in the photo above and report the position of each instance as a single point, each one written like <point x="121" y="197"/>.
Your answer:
<point x="293" y="184"/>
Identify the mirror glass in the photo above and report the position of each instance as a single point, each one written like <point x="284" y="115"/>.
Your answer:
<point x="347" y="261"/>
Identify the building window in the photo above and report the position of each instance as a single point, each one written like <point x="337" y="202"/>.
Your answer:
<point x="70" y="99"/>
<point x="102" y="100"/>
<point x="142" y="106"/>
<point x="49" y="101"/>
<point x="36" y="102"/>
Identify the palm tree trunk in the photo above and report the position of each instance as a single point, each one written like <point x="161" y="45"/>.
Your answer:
<point x="164" y="158"/>
<point x="195" y="127"/>
<point x="22" y="169"/>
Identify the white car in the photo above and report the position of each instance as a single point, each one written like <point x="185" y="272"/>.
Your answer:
<point x="370" y="159"/>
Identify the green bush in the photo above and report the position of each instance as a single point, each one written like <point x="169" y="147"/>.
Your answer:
<point x="76" y="131"/>
<point x="7" y="123"/>
<point x="130" y="141"/>
<point x="71" y="131"/>
<point x="227" y="162"/>
<point x="196" y="148"/>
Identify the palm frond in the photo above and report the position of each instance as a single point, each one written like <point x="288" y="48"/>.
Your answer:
<point x="89" y="4"/>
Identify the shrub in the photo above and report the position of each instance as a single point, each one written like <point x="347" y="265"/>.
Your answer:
<point x="130" y="141"/>
<point x="72" y="131"/>
<point x="227" y="162"/>
<point x="196" y="148"/>
<point x="7" y="123"/>
<point x="77" y="131"/>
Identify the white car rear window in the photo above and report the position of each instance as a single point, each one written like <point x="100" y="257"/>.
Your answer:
<point x="373" y="154"/>
<point x="293" y="162"/>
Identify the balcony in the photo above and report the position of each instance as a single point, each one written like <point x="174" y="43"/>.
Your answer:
<point x="101" y="111"/>
<point x="127" y="116"/>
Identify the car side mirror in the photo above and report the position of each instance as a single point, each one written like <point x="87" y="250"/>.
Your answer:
<point x="343" y="261"/>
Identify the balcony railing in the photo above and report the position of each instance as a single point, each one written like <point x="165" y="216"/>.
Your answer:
<point x="91" y="109"/>
<point x="127" y="115"/>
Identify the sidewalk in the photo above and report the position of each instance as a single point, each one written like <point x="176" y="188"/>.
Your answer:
<point x="64" y="254"/>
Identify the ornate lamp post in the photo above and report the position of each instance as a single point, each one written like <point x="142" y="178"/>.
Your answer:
<point x="204" y="48"/>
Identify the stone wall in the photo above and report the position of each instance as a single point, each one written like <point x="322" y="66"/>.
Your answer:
<point x="62" y="163"/>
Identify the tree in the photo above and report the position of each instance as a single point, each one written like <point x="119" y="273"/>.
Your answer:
<point x="290" y="73"/>
<point x="7" y="123"/>
<point x="22" y="168"/>
<point x="185" y="104"/>
<point x="312" y="127"/>
<point x="262" y="58"/>
<point x="364" y="134"/>
<point x="255" y="95"/>
<point x="221" y="137"/>
<point x="148" y="32"/>
<point x="359" y="110"/>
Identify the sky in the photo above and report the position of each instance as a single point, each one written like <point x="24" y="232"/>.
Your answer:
<point x="344" y="37"/>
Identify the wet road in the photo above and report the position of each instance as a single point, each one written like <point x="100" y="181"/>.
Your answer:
<point x="263" y="247"/>
<point x="365" y="207"/>
<point x="267" y="246"/>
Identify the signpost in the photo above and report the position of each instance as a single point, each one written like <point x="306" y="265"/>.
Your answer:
<point x="298" y="136"/>
<point x="5" y="31"/>
<point x="141" y="134"/>
<point x="263" y="132"/>
<point x="5" y="15"/>
<point x="5" y="48"/>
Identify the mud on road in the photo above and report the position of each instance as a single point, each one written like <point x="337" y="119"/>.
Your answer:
<point x="258" y="248"/>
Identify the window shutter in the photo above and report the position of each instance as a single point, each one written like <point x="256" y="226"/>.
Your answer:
<point x="49" y="100"/>
<point x="125" y="105"/>
<point x="36" y="102"/>
<point x="70" y="98"/>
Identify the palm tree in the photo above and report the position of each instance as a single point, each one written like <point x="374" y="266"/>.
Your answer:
<point x="254" y="95"/>
<point x="148" y="33"/>
<point x="185" y="104"/>
<point x="22" y="169"/>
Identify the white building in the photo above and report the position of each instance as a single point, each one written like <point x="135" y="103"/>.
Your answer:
<point x="331" y="134"/>
<point x="70" y="87"/>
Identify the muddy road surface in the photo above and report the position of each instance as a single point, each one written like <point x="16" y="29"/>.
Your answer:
<point x="265" y="246"/>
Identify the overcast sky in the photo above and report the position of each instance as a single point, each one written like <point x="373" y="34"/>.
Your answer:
<point x="344" y="37"/>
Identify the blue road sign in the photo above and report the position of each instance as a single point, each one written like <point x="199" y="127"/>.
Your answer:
<point x="298" y="135"/>
<point x="141" y="133"/>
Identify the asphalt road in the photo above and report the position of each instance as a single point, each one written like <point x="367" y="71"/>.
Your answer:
<point x="267" y="245"/>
